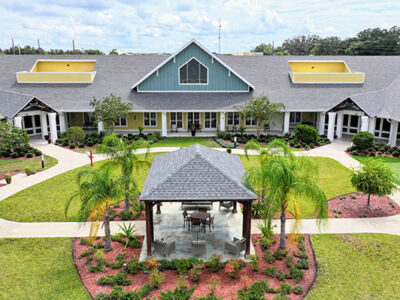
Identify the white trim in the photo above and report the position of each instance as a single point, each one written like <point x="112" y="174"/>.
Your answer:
<point x="149" y="112"/>
<point x="180" y="50"/>
<point x="292" y="79"/>
<point x="176" y="120"/>
<point x="92" y="76"/>
<point x="179" y="72"/>
<point x="233" y="118"/>
<point x="191" y="91"/>
<point x="204" y="120"/>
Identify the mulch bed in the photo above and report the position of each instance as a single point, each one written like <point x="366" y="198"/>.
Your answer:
<point x="202" y="289"/>
<point x="121" y="207"/>
<point x="354" y="205"/>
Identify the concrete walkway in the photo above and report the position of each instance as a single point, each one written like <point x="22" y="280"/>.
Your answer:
<point x="68" y="160"/>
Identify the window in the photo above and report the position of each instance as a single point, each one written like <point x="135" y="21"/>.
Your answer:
<point x="233" y="118"/>
<point x="88" y="118"/>
<point x="250" y="121"/>
<point x="150" y="119"/>
<point x="295" y="117"/>
<point x="176" y="119"/>
<point x="122" y="122"/>
<point x="382" y="128"/>
<point x="193" y="72"/>
<point x="210" y="120"/>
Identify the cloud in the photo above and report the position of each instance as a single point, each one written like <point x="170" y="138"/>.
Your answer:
<point x="164" y="26"/>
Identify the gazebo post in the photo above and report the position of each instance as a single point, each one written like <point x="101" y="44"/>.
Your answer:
<point x="234" y="207"/>
<point x="152" y="223"/>
<point x="158" y="212"/>
<point x="149" y="225"/>
<point x="246" y="230"/>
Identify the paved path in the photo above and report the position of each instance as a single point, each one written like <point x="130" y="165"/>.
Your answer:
<point x="69" y="160"/>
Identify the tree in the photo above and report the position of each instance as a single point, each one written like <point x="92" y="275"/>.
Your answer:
<point x="301" y="44"/>
<point x="289" y="180"/>
<point x="12" y="137"/>
<point x="332" y="45"/>
<point x="97" y="190"/>
<point x="373" y="178"/>
<point x="261" y="109"/>
<point x="123" y="156"/>
<point x="110" y="110"/>
<point x="113" y="52"/>
<point x="259" y="48"/>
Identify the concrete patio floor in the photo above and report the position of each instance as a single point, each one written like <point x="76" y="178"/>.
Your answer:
<point x="169" y="226"/>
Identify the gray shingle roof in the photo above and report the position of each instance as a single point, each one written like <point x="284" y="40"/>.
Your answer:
<point x="11" y="103"/>
<point x="268" y="74"/>
<point x="196" y="173"/>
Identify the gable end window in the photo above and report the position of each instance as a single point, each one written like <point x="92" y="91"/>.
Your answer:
<point x="150" y="119"/>
<point x="193" y="72"/>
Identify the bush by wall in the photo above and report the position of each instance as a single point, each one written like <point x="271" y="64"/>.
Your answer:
<point x="306" y="133"/>
<point x="363" y="140"/>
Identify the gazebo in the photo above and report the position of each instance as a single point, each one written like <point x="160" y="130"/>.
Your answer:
<point x="196" y="174"/>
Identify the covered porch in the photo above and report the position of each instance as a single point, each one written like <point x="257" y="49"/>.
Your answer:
<point x="194" y="176"/>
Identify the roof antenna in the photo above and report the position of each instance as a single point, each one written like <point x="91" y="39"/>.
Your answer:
<point x="38" y="45"/>
<point x="219" y="36"/>
<point x="13" y="46"/>
<point x="73" y="45"/>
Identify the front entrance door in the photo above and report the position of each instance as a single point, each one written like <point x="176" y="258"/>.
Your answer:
<point x="176" y="118"/>
<point x="193" y="118"/>
<point x="351" y="124"/>
<point x="210" y="120"/>
<point x="32" y="125"/>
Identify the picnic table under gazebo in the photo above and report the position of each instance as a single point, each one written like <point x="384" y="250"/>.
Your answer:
<point x="196" y="174"/>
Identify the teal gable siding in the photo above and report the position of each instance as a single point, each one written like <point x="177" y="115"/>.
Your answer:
<point x="218" y="75"/>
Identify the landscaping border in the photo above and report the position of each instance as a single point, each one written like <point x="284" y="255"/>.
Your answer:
<point x="76" y="268"/>
<point x="316" y="267"/>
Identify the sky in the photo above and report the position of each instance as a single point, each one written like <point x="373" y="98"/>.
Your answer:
<point x="166" y="25"/>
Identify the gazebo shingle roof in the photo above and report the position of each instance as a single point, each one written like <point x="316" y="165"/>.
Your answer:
<point x="196" y="173"/>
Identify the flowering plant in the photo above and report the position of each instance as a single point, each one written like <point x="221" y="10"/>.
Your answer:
<point x="152" y="264"/>
<point x="233" y="267"/>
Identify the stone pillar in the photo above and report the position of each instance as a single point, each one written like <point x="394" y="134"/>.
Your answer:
<point x="18" y="122"/>
<point x="163" y="124"/>
<point x="371" y="127"/>
<point x="364" y="123"/>
<point x="63" y="124"/>
<point x="321" y="125"/>
<point x="394" y="126"/>
<point x="43" y="124"/>
<point x="53" y="127"/>
<point x="222" y="121"/>
<point x="339" y="125"/>
<point x="286" y="120"/>
<point x="100" y="126"/>
<point x="331" y="125"/>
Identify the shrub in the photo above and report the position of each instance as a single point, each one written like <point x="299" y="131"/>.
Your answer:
<point x="295" y="273"/>
<point x="28" y="171"/>
<point x="155" y="278"/>
<point x="280" y="254"/>
<point x="134" y="243"/>
<point x="301" y="255"/>
<point x="396" y="153"/>
<point x="214" y="263"/>
<point x="195" y="274"/>
<point x="84" y="242"/>
<point x="285" y="289"/>
<point x="90" y="143"/>
<point x="29" y="155"/>
<point x="81" y="145"/>
<point x="221" y="135"/>
<point x="183" y="265"/>
<point x="72" y="146"/>
<point x="7" y="177"/>
<point x="306" y="133"/>
<point x="265" y="243"/>
<point x="256" y="291"/>
<point x="133" y="266"/>
<point x="233" y="266"/>
<point x="181" y="293"/>
<point x="302" y="264"/>
<point x="298" y="290"/>
<point x="224" y="144"/>
<point x="65" y="143"/>
<point x="269" y="257"/>
<point x="228" y="150"/>
<point x="254" y="262"/>
<point x="15" y="155"/>
<point x="126" y="215"/>
<point x="75" y="134"/>
<point x="363" y="140"/>
<point x="118" y="279"/>
<point x="87" y="252"/>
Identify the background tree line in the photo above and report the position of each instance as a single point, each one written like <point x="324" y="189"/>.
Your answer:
<point x="375" y="41"/>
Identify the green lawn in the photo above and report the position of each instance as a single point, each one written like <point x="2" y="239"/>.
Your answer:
<point x="356" y="266"/>
<point x="38" y="269"/>
<point x="333" y="178"/>
<point x="34" y="163"/>
<point x="391" y="162"/>
<point x="185" y="141"/>
<point x="45" y="201"/>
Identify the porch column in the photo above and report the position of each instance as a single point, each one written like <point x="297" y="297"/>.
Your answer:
<point x="222" y="121"/>
<point x="100" y="127"/>
<point x="246" y="230"/>
<point x="331" y="125"/>
<point x="339" y="125"/>
<point x="43" y="124"/>
<point x="53" y="127"/>
<point x="149" y="222"/>
<point x="286" y="120"/>
<point x="321" y="125"/>
<point x="63" y="126"/>
<point x="364" y="123"/>
<point x="163" y="124"/>
<point x="394" y="126"/>
<point x="18" y="122"/>
<point x="371" y="127"/>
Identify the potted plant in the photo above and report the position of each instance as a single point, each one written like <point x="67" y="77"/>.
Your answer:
<point x="28" y="171"/>
<point x="8" y="177"/>
<point x="193" y="129"/>
<point x="140" y="128"/>
<point x="47" y="138"/>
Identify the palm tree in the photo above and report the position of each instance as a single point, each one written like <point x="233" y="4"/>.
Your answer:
<point x="288" y="180"/>
<point x="98" y="189"/>
<point x="122" y="155"/>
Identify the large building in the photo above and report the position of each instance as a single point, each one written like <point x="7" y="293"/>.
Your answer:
<point x="337" y="95"/>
